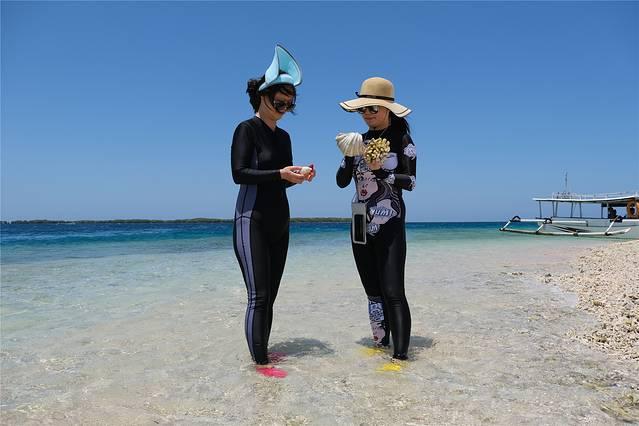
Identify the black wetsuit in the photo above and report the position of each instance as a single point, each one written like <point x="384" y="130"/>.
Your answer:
<point x="260" y="232"/>
<point x="380" y="262"/>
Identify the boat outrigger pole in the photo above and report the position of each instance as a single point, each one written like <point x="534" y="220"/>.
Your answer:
<point x="566" y="230"/>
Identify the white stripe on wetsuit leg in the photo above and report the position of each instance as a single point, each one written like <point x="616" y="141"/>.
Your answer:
<point x="244" y="243"/>
<point x="240" y="248"/>
<point x="242" y="229"/>
<point x="243" y="214"/>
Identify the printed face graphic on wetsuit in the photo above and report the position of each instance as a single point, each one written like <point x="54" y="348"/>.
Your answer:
<point x="380" y="208"/>
<point x="366" y="182"/>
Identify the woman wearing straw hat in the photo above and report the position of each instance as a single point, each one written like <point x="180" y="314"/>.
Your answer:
<point x="262" y="164"/>
<point x="382" y="162"/>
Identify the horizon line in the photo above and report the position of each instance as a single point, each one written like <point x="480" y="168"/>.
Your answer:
<point x="206" y="220"/>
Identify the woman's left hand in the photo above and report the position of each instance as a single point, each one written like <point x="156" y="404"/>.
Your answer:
<point x="375" y="165"/>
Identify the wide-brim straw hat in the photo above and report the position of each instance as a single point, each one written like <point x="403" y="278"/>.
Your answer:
<point x="376" y="91"/>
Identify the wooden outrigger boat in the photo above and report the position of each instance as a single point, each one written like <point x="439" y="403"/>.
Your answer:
<point x="611" y="223"/>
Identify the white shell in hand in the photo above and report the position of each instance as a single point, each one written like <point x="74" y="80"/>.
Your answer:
<point x="305" y="171"/>
<point x="351" y="144"/>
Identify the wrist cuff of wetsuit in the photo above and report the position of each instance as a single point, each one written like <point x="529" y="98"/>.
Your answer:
<point x="279" y="174"/>
<point x="381" y="173"/>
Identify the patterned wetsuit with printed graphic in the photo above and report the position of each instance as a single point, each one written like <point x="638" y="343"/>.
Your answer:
<point x="261" y="228"/>
<point x="380" y="262"/>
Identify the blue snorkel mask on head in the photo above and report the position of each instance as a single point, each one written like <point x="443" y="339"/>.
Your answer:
<point x="283" y="70"/>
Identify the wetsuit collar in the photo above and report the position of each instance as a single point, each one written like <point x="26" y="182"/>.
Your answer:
<point x="377" y="133"/>
<point x="255" y="117"/>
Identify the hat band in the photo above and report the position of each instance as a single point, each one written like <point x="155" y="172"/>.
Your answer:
<point x="385" y="98"/>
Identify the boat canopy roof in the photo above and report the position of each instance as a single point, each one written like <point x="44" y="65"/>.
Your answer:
<point x="617" y="199"/>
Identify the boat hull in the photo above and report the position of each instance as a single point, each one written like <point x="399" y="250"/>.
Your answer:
<point x="576" y="227"/>
<point x="594" y="226"/>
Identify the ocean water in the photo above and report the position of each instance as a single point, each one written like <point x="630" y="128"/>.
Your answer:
<point x="143" y="324"/>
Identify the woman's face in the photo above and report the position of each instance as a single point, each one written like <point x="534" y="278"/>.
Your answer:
<point x="378" y="120"/>
<point x="276" y="108"/>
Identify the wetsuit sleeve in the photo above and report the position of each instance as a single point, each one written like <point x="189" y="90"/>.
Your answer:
<point x="242" y="152"/>
<point x="345" y="172"/>
<point x="289" y="161"/>
<point x="405" y="174"/>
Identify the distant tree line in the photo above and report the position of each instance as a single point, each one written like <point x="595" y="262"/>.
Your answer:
<point x="195" y="220"/>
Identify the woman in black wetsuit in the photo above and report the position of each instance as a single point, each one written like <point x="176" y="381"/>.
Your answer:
<point x="380" y="249"/>
<point x="262" y="163"/>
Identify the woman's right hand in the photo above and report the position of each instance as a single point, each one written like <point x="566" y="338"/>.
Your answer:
<point x="292" y="174"/>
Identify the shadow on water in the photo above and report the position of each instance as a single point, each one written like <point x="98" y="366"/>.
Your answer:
<point x="417" y="344"/>
<point x="300" y="347"/>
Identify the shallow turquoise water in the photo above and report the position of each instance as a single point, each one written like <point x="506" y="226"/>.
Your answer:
<point x="142" y="324"/>
<point x="26" y="243"/>
<point x="60" y="276"/>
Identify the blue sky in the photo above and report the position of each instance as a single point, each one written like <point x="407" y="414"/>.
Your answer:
<point x="126" y="110"/>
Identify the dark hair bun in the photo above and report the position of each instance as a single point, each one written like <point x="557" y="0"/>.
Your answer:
<point x="252" y="88"/>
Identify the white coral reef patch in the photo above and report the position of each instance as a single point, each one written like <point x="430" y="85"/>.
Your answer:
<point x="606" y="281"/>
